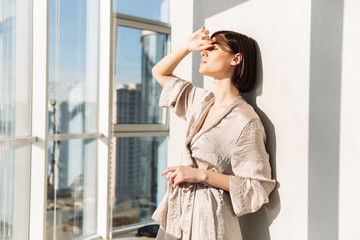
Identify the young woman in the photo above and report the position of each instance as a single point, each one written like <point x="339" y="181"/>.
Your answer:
<point x="225" y="170"/>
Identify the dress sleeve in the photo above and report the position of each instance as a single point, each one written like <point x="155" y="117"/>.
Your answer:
<point x="179" y="95"/>
<point x="251" y="183"/>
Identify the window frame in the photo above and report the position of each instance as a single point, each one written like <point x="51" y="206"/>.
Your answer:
<point x="18" y="141"/>
<point x="134" y="130"/>
<point x="138" y="130"/>
<point x="40" y="136"/>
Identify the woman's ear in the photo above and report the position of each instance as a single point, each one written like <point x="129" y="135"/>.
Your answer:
<point x="236" y="59"/>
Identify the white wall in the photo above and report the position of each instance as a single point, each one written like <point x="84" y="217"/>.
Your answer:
<point x="349" y="189"/>
<point x="181" y="28"/>
<point x="308" y="76"/>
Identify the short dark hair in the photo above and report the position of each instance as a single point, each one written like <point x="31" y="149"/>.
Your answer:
<point x="244" y="74"/>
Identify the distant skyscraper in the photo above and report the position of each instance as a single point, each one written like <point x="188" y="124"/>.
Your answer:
<point x="126" y="151"/>
<point x="153" y="49"/>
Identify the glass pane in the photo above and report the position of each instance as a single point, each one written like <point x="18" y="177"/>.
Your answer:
<point x="136" y="93"/>
<point x="73" y="66"/>
<point x="71" y="189"/>
<point x="14" y="192"/>
<point x="157" y="10"/>
<point x="137" y="163"/>
<point x="15" y="42"/>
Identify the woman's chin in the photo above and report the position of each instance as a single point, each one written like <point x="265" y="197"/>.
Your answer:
<point x="203" y="71"/>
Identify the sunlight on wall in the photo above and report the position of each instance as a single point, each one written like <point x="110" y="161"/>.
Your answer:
<point x="299" y="48"/>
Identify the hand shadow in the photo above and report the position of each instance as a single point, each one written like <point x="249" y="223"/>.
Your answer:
<point x="255" y="226"/>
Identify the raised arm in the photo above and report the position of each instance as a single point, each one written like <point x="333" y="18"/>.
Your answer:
<point x="198" y="41"/>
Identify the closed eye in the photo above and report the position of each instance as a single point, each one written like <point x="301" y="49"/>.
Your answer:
<point x="216" y="45"/>
<point x="211" y="48"/>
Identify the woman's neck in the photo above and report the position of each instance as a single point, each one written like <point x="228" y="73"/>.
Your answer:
<point x="225" y="92"/>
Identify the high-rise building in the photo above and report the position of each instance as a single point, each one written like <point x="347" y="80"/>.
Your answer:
<point x="126" y="151"/>
<point x="153" y="49"/>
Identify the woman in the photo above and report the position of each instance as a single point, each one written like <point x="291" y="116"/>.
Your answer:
<point x="225" y="171"/>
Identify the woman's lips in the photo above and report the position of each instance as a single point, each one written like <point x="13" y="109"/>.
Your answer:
<point x="202" y="61"/>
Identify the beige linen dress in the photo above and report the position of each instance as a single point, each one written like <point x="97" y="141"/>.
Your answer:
<point x="233" y="144"/>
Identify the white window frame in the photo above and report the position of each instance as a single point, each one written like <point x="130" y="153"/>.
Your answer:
<point x="39" y="117"/>
<point x="40" y="137"/>
<point x="135" y="130"/>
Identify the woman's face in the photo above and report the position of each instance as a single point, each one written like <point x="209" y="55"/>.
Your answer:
<point x="216" y="61"/>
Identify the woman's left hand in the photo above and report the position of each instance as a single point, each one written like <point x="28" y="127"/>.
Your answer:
<point x="181" y="174"/>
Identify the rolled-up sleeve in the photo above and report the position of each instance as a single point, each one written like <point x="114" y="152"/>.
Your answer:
<point x="179" y="95"/>
<point x="251" y="183"/>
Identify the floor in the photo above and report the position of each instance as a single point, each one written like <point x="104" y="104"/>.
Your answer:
<point x="130" y="236"/>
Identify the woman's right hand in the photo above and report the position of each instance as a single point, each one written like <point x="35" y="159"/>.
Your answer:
<point x="200" y="40"/>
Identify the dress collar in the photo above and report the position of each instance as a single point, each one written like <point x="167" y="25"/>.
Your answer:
<point x="198" y="123"/>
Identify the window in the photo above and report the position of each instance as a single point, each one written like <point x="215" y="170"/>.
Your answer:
<point x="15" y="118"/>
<point x="136" y="92"/>
<point x="50" y="99"/>
<point x="71" y="195"/>
<point x="157" y="10"/>
<point x="140" y="126"/>
<point x="137" y="190"/>
<point x="72" y="119"/>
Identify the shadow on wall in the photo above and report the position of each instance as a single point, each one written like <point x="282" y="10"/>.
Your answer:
<point x="199" y="21"/>
<point x="255" y="226"/>
<point x="327" y="19"/>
